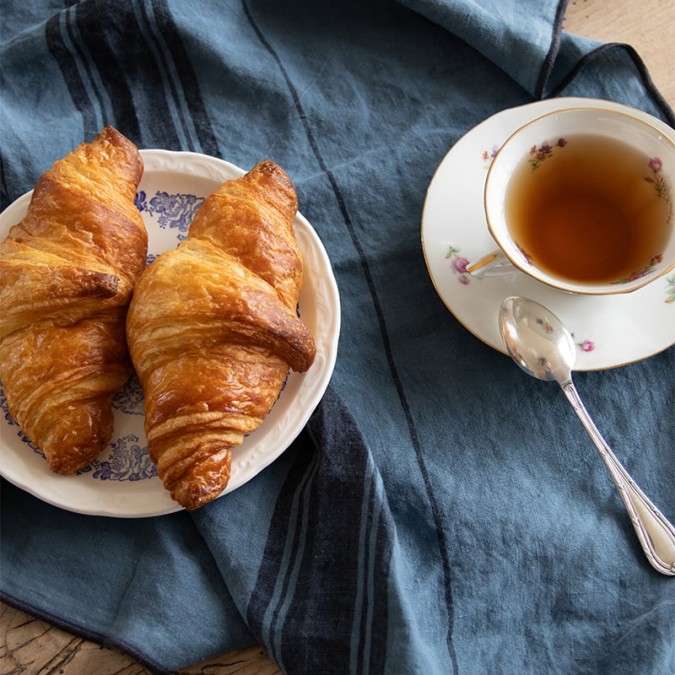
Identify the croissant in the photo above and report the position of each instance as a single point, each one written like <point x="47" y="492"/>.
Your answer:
<point x="67" y="271"/>
<point x="213" y="330"/>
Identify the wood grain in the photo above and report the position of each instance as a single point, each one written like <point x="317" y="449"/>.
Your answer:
<point x="648" y="25"/>
<point x="32" y="647"/>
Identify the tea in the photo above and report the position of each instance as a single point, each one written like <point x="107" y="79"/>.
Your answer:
<point x="589" y="209"/>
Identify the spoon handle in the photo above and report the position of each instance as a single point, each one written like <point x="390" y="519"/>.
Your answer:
<point x="656" y="534"/>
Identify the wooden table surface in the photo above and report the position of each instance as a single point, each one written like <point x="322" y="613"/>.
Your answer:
<point x="30" y="646"/>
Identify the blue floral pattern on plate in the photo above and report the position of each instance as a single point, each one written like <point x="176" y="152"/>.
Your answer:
<point x="173" y="211"/>
<point x="127" y="459"/>
<point x="129" y="399"/>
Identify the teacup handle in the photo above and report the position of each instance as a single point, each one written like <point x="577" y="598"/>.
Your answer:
<point x="494" y="264"/>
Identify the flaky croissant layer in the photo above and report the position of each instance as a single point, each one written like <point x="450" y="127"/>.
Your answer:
<point x="213" y="331"/>
<point x="67" y="271"/>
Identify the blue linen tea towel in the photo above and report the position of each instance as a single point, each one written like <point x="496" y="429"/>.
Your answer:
<point x="441" y="512"/>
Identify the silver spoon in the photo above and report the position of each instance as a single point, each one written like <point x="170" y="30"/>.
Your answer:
<point x="541" y="345"/>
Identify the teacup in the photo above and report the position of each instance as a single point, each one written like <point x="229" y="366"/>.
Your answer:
<point x="581" y="200"/>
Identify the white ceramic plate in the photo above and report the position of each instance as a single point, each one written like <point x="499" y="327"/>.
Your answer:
<point x="122" y="482"/>
<point x="609" y="331"/>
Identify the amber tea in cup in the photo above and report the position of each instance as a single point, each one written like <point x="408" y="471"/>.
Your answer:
<point x="588" y="208"/>
<point x="581" y="199"/>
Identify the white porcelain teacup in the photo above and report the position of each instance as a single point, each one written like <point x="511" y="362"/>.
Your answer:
<point x="582" y="200"/>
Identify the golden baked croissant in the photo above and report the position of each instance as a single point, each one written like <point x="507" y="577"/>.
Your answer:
<point x="67" y="271"/>
<point x="213" y="329"/>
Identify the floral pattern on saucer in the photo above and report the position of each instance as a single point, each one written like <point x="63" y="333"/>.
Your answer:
<point x="489" y="155"/>
<point x="670" y="290"/>
<point x="458" y="265"/>
<point x="584" y="345"/>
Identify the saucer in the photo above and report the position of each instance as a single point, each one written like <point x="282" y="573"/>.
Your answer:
<point x="609" y="331"/>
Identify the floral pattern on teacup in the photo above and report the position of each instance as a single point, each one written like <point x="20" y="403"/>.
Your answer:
<point x="540" y="153"/>
<point x="656" y="164"/>
<point x="642" y="271"/>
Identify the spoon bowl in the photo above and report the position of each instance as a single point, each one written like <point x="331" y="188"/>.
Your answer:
<point x="541" y="345"/>
<point x="537" y="340"/>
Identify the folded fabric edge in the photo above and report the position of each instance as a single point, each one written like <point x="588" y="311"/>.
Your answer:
<point x="85" y="634"/>
<point x="550" y="59"/>
<point x="502" y="43"/>
<point x="642" y="71"/>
